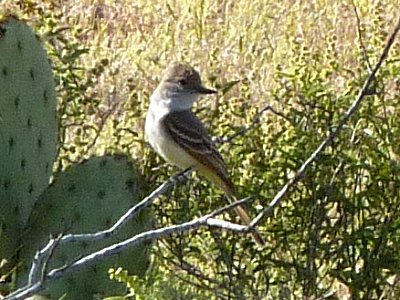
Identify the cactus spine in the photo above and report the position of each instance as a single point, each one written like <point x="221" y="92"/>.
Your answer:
<point x="89" y="197"/>
<point x="28" y="127"/>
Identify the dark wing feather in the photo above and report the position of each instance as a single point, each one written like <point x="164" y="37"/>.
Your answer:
<point x="188" y="132"/>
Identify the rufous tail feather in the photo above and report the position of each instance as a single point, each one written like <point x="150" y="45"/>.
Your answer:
<point x="244" y="216"/>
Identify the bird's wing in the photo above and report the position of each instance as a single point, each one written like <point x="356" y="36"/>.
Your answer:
<point x="190" y="134"/>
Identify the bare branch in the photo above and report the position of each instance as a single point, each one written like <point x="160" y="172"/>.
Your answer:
<point x="37" y="262"/>
<point x="204" y="221"/>
<point x="130" y="214"/>
<point x="40" y="261"/>
<point x="287" y="188"/>
<point x="37" y="283"/>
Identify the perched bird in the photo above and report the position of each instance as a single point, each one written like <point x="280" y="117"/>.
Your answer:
<point x="180" y="138"/>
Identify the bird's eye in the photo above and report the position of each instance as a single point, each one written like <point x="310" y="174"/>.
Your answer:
<point x="182" y="82"/>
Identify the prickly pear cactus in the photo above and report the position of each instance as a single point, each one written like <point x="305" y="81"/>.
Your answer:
<point x="86" y="198"/>
<point x="28" y="127"/>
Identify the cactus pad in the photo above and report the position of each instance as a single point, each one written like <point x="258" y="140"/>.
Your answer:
<point x="89" y="197"/>
<point x="28" y="127"/>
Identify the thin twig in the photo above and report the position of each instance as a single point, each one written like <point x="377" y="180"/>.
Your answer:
<point x="287" y="188"/>
<point x="37" y="262"/>
<point x="204" y="221"/>
<point x="41" y="259"/>
<point x="45" y="253"/>
<point x="360" y="38"/>
<point x="131" y="213"/>
<point x="256" y="121"/>
<point x="46" y="260"/>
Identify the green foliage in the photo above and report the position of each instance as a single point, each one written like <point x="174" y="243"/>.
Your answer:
<point x="85" y="198"/>
<point x="28" y="127"/>
<point x="28" y="136"/>
<point x="336" y="236"/>
<point x="155" y="286"/>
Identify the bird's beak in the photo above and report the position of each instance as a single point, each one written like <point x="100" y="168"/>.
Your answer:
<point x="203" y="90"/>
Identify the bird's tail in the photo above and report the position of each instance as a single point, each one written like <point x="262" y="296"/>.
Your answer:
<point x="244" y="216"/>
<point x="230" y="192"/>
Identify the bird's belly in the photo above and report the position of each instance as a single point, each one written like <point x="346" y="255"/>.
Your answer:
<point x="174" y="154"/>
<point x="166" y="147"/>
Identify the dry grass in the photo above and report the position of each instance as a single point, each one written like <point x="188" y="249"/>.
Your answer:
<point x="226" y="40"/>
<point x="250" y="41"/>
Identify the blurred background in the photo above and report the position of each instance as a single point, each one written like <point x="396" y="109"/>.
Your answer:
<point x="337" y="235"/>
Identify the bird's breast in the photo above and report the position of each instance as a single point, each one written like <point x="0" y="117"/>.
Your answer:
<point x="164" y="144"/>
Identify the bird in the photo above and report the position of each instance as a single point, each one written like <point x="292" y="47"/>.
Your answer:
<point x="181" y="139"/>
